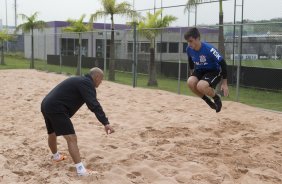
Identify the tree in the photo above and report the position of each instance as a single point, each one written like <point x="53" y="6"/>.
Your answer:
<point x="31" y="24"/>
<point x="77" y="26"/>
<point x="221" y="48"/>
<point x="4" y="36"/>
<point x="111" y="8"/>
<point x="149" y="27"/>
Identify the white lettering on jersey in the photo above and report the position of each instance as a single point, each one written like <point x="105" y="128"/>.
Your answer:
<point x="215" y="53"/>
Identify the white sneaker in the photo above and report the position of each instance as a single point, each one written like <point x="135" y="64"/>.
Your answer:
<point x="88" y="173"/>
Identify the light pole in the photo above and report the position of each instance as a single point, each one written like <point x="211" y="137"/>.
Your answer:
<point x="7" y="49"/>
<point x="16" y="13"/>
<point x="6" y="14"/>
<point x="154" y="6"/>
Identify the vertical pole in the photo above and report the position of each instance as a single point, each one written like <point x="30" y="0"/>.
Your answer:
<point x="6" y="5"/>
<point x="80" y="52"/>
<point x="187" y="68"/>
<point x="188" y="17"/>
<point x="7" y="43"/>
<point x="105" y="48"/>
<point x="16" y="14"/>
<point x="154" y="6"/>
<point x="233" y="42"/>
<point x="60" y="51"/>
<point x="161" y="44"/>
<point x="240" y="53"/>
<point x="134" y="64"/>
<point x="196" y="15"/>
<point x="45" y="58"/>
<point x="179" y="61"/>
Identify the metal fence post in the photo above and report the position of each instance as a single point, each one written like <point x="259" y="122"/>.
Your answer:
<point x="105" y="49"/>
<point x="179" y="62"/>
<point x="240" y="54"/>
<point x="134" y="64"/>
<point x="44" y="52"/>
<point x="60" y="50"/>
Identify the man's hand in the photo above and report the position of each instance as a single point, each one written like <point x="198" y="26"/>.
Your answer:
<point x="109" y="129"/>
<point x="224" y="87"/>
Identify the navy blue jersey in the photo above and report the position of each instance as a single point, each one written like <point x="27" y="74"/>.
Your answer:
<point x="207" y="58"/>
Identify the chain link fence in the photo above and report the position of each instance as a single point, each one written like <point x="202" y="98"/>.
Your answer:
<point x="156" y="58"/>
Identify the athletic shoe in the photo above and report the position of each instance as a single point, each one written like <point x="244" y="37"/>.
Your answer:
<point x="218" y="103"/>
<point x="62" y="157"/>
<point x="88" y="173"/>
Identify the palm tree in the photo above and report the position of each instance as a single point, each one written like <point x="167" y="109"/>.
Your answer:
<point x="77" y="26"/>
<point x="31" y="24"/>
<point x="149" y="27"/>
<point x="4" y="36"/>
<point x="111" y="8"/>
<point x="221" y="48"/>
<point x="192" y="4"/>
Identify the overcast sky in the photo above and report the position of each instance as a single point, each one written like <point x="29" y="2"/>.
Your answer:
<point x="61" y="10"/>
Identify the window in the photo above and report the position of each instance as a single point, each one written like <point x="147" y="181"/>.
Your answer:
<point x="130" y="47"/>
<point x="185" y="45"/>
<point x="100" y="48"/>
<point x="145" y="47"/>
<point x="173" y="47"/>
<point x="162" y="47"/>
<point x="69" y="46"/>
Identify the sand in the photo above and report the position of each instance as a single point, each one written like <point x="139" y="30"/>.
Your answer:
<point x="160" y="137"/>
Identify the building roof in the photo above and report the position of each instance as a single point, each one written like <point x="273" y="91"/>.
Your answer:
<point x="107" y="26"/>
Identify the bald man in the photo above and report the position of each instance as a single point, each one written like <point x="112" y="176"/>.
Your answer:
<point x="61" y="104"/>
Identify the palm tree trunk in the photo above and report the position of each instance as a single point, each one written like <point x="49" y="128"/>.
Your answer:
<point x="78" y="68"/>
<point x="2" y="62"/>
<point x="221" y="47"/>
<point x="152" y="69"/>
<point x="112" y="53"/>
<point x="32" y="51"/>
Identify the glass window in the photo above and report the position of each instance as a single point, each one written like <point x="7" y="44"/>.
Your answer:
<point x="173" y="47"/>
<point x="162" y="47"/>
<point x="130" y="47"/>
<point x="185" y="44"/>
<point x="69" y="46"/>
<point x="145" y="47"/>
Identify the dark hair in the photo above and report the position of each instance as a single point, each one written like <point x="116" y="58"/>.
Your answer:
<point x="193" y="32"/>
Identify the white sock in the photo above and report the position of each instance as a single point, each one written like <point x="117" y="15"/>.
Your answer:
<point x="80" y="168"/>
<point x="56" y="156"/>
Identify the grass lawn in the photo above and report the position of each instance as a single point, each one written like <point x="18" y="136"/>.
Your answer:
<point x="259" y="98"/>
<point x="260" y="63"/>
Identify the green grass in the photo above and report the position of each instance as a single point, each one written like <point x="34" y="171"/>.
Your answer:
<point x="259" y="98"/>
<point x="260" y="63"/>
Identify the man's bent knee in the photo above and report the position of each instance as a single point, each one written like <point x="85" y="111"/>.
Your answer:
<point x="202" y="86"/>
<point x="192" y="82"/>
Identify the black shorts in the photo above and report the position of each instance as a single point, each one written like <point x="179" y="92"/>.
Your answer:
<point x="60" y="123"/>
<point x="212" y="77"/>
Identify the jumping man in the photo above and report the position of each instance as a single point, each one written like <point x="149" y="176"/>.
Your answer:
<point x="208" y="67"/>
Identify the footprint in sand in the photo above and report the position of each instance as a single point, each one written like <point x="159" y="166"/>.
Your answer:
<point x="113" y="147"/>
<point x="94" y="159"/>
<point x="138" y="156"/>
<point x="168" y="172"/>
<point x="165" y="133"/>
<point x="133" y="175"/>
